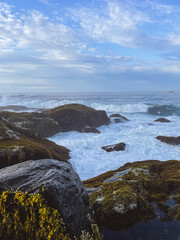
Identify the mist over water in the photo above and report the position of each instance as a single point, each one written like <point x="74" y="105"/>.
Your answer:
<point x="141" y="108"/>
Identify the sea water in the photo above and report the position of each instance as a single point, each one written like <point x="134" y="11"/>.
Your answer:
<point x="139" y="133"/>
<point x="89" y="160"/>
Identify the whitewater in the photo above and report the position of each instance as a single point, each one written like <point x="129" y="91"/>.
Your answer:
<point x="139" y="133"/>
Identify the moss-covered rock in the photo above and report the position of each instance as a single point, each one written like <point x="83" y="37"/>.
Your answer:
<point x="77" y="116"/>
<point x="125" y="196"/>
<point x="18" y="145"/>
<point x="27" y="216"/>
<point x="36" y="122"/>
<point x="61" y="189"/>
<point x="70" y="117"/>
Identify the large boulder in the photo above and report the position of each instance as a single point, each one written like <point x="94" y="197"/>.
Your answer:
<point x="169" y="140"/>
<point x="59" y="185"/>
<point x="19" y="144"/>
<point x="70" y="117"/>
<point x="133" y="192"/>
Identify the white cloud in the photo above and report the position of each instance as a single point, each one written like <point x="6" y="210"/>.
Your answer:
<point x="38" y="50"/>
<point x="45" y="2"/>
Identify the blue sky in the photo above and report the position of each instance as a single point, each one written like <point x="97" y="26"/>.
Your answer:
<point x="89" y="45"/>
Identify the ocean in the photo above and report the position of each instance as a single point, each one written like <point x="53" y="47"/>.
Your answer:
<point x="139" y="133"/>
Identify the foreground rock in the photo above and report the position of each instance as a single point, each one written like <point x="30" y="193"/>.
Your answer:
<point x="169" y="140"/>
<point x="162" y="120"/>
<point x="131" y="193"/>
<point x="115" y="147"/>
<point x="61" y="186"/>
<point x="70" y="117"/>
<point x="19" y="145"/>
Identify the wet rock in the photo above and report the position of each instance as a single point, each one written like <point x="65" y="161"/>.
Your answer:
<point x="70" y="117"/>
<point x="169" y="140"/>
<point x="63" y="189"/>
<point x="162" y="120"/>
<point x="116" y="147"/>
<point x="19" y="145"/>
<point x="90" y="130"/>
<point x="36" y="122"/>
<point x="117" y="120"/>
<point x="117" y="115"/>
<point x="124" y="196"/>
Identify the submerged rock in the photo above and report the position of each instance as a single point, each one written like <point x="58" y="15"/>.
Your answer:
<point x="59" y="185"/>
<point x="117" y="115"/>
<point x="19" y="145"/>
<point x="115" y="147"/>
<point x="125" y="196"/>
<point x="169" y="140"/>
<point x="117" y="120"/>
<point x="162" y="120"/>
<point x="70" y="117"/>
<point x="90" y="130"/>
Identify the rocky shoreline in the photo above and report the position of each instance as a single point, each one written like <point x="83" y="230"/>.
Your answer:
<point x="116" y="199"/>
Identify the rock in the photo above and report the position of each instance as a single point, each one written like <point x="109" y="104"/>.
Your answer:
<point x="117" y="176"/>
<point x="36" y="122"/>
<point x="117" y="115"/>
<point x="115" y="147"/>
<point x="90" y="130"/>
<point x="76" y="117"/>
<point x="61" y="186"/>
<point x="162" y="120"/>
<point x="70" y="117"/>
<point x="123" y="197"/>
<point x="169" y="140"/>
<point x="117" y="120"/>
<point x="19" y="145"/>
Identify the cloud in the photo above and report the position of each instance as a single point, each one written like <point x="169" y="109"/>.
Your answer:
<point x="45" y="2"/>
<point x="37" y="50"/>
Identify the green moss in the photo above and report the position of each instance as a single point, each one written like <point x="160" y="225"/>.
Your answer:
<point x="113" y="194"/>
<point x="147" y="182"/>
<point x="77" y="107"/>
<point x="27" y="216"/>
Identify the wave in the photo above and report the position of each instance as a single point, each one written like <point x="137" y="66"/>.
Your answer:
<point x="164" y="110"/>
<point x="45" y="102"/>
<point x="124" y="108"/>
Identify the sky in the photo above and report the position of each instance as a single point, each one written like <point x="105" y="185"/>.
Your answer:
<point x="89" y="45"/>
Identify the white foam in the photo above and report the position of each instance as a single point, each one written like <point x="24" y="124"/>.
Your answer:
<point x="89" y="160"/>
<point x="37" y="102"/>
<point x="124" y="108"/>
